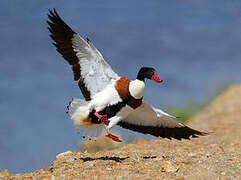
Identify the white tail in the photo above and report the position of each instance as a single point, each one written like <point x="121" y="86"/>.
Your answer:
<point x="78" y="110"/>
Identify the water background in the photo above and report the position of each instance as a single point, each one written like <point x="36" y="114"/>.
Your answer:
<point x="194" y="45"/>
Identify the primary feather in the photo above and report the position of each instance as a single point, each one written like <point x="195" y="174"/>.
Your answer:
<point x="88" y="65"/>
<point x="149" y="120"/>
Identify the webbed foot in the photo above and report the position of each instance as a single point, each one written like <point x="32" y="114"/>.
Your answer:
<point x="113" y="137"/>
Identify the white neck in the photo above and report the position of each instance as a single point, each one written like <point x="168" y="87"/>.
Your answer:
<point x="136" y="88"/>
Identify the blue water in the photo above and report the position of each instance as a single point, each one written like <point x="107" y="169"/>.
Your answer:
<point x="194" y="45"/>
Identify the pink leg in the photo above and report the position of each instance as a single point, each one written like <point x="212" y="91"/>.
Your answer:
<point x="102" y="118"/>
<point x="113" y="137"/>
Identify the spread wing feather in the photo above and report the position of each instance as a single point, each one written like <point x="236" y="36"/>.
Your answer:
<point x="148" y="120"/>
<point x="88" y="65"/>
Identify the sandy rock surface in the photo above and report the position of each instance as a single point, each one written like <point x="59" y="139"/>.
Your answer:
<point x="216" y="156"/>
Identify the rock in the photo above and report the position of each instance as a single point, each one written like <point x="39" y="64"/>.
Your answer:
<point x="61" y="177"/>
<point x="181" y="178"/>
<point x="5" y="172"/>
<point x="169" y="167"/>
<point x="192" y="154"/>
<point x="63" y="154"/>
<point x="223" y="173"/>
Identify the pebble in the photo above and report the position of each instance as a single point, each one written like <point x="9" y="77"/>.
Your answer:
<point x="61" y="177"/>
<point x="102" y="164"/>
<point x="63" y="154"/>
<point x="223" y="173"/>
<point x="69" y="160"/>
<point x="192" y="154"/>
<point x="169" y="167"/>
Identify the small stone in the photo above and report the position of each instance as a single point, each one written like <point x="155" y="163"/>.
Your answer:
<point x="91" y="163"/>
<point x="102" y="164"/>
<point x="191" y="154"/>
<point x="61" y="177"/>
<point x="69" y="160"/>
<point x="169" y="167"/>
<point x="5" y="172"/>
<point x="60" y="169"/>
<point x="223" y="173"/>
<point x="45" y="178"/>
<point x="181" y="178"/>
<point x="63" y="154"/>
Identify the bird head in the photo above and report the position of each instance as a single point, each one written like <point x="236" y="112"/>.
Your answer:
<point x="149" y="73"/>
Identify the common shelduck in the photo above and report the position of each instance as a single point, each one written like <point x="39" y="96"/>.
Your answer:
<point x="110" y="99"/>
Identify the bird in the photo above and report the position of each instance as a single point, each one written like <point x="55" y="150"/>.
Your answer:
<point x="110" y="99"/>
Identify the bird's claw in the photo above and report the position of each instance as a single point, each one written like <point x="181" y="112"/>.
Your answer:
<point x="103" y="118"/>
<point x="113" y="137"/>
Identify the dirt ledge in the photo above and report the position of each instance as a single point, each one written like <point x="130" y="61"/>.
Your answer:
<point x="217" y="156"/>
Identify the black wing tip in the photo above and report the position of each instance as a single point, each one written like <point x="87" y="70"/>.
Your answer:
<point x="199" y="133"/>
<point x="62" y="35"/>
<point x="204" y="133"/>
<point x="177" y="133"/>
<point x="53" y="12"/>
<point x="56" y="25"/>
<point x="53" y="16"/>
<point x="192" y="133"/>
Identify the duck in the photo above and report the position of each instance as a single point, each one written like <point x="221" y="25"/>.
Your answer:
<point x="110" y="99"/>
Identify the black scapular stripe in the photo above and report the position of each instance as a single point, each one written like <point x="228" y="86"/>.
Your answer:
<point x="110" y="111"/>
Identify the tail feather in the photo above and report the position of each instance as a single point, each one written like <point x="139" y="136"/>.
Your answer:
<point x="74" y="104"/>
<point x="78" y="111"/>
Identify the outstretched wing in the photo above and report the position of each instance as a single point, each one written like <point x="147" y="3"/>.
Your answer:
<point x="148" y="120"/>
<point x="88" y="65"/>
